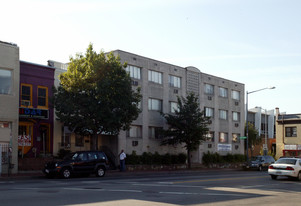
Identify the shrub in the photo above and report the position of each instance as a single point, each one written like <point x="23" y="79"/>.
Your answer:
<point x="215" y="158"/>
<point x="148" y="158"/>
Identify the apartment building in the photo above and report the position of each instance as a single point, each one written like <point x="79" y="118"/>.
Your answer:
<point x="288" y="134"/>
<point x="9" y="98"/>
<point x="161" y="83"/>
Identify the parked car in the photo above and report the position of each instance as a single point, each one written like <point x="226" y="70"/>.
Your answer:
<point x="259" y="162"/>
<point x="289" y="167"/>
<point x="82" y="162"/>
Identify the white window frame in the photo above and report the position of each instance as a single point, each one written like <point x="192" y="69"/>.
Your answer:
<point x="174" y="106"/>
<point x="175" y="81"/>
<point x="135" y="131"/>
<point x="154" y="104"/>
<point x="223" y="114"/>
<point x="155" y="77"/>
<point x="236" y="116"/>
<point x="235" y="95"/>
<point x="209" y="89"/>
<point x="223" y="92"/>
<point x="209" y="112"/>
<point x="135" y="72"/>
<point x="223" y="137"/>
<point x="6" y="88"/>
<point x="152" y="132"/>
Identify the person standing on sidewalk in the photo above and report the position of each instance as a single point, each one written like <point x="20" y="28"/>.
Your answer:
<point x="122" y="157"/>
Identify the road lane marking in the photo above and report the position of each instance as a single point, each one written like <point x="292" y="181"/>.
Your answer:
<point x="203" y="193"/>
<point x="247" y="191"/>
<point x="171" y="185"/>
<point x="219" y="179"/>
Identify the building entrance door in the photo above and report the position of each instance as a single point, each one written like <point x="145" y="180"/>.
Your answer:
<point x="45" y="140"/>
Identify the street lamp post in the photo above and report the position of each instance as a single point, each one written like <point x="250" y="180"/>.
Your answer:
<point x="247" y="124"/>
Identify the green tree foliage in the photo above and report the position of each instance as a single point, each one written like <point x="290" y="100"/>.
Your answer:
<point x="188" y="126"/>
<point x="95" y="95"/>
<point x="253" y="138"/>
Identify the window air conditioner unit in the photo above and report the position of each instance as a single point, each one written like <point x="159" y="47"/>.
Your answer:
<point x="209" y="98"/>
<point x="236" y="125"/>
<point x="135" y="83"/>
<point x="209" y="145"/>
<point x="25" y="103"/>
<point x="175" y="91"/>
<point x="236" y="103"/>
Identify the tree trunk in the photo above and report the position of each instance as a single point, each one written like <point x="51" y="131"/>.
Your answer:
<point x="188" y="159"/>
<point x="94" y="141"/>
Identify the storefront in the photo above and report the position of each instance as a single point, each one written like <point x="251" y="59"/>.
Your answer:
<point x="35" y="137"/>
<point x="292" y="151"/>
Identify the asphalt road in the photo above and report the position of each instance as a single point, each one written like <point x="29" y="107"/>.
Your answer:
<point x="164" y="188"/>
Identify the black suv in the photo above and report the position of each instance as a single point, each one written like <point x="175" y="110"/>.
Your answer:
<point x="259" y="162"/>
<point x="82" y="162"/>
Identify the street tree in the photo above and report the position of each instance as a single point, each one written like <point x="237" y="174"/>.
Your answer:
<point x="253" y="137"/>
<point x="95" y="96"/>
<point x="188" y="126"/>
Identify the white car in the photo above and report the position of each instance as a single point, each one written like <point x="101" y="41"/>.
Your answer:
<point x="289" y="167"/>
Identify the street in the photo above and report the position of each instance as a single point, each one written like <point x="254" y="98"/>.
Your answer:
<point x="223" y="187"/>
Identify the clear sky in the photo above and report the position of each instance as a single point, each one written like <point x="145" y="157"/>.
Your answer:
<point x="254" y="42"/>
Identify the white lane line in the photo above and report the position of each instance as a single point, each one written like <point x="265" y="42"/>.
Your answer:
<point x="101" y="190"/>
<point x="192" y="193"/>
<point x="252" y="186"/>
<point x="171" y="185"/>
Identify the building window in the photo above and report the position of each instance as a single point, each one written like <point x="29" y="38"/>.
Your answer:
<point x="235" y="138"/>
<point x="209" y="89"/>
<point x="174" y="81"/>
<point x="223" y="92"/>
<point x="291" y="131"/>
<point x="26" y="95"/>
<point x="236" y="116"/>
<point x="210" y="137"/>
<point x="235" y="95"/>
<point x="134" y="131"/>
<point x="155" y="104"/>
<point x="135" y="72"/>
<point x="5" y="81"/>
<point x="155" y="77"/>
<point x="42" y="96"/>
<point x="223" y="137"/>
<point x="223" y="114"/>
<point x="155" y="132"/>
<point x="79" y="140"/>
<point x="209" y="112"/>
<point x="174" y="107"/>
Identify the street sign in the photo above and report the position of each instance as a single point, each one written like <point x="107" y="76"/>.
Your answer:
<point x="243" y="137"/>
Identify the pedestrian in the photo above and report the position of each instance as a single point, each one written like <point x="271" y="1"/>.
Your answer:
<point x="122" y="157"/>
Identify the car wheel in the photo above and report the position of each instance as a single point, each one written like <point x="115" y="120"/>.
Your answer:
<point x="66" y="173"/>
<point x="299" y="176"/>
<point x="274" y="177"/>
<point x="100" y="172"/>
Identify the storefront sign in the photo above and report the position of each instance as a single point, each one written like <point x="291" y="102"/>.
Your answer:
<point x="24" y="140"/>
<point x="224" y="147"/>
<point x="290" y="147"/>
<point x="33" y="113"/>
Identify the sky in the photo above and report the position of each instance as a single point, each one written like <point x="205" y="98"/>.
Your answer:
<point x="254" y="42"/>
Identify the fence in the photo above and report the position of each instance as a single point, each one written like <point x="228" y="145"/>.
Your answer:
<point x="3" y="155"/>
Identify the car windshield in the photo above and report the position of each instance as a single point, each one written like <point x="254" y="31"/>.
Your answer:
<point x="286" y="161"/>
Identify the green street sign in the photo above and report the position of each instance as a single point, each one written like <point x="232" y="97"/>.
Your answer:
<point x="242" y="137"/>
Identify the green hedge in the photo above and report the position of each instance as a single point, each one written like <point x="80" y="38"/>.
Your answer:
<point x="215" y="158"/>
<point x="148" y="158"/>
